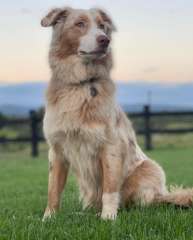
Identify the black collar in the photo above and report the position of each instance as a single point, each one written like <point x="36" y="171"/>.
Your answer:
<point x="89" y="81"/>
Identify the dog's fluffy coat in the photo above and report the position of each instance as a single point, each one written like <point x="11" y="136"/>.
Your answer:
<point x="92" y="135"/>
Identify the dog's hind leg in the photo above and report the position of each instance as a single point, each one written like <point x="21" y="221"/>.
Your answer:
<point x="144" y="184"/>
<point x="58" y="171"/>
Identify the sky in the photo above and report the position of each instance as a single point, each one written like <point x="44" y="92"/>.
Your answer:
<point x="154" y="41"/>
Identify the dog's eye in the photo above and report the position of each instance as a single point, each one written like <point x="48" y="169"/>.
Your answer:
<point x="80" y="24"/>
<point x="102" y="26"/>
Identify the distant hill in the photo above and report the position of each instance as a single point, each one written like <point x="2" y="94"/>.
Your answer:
<point x="133" y="96"/>
<point x="19" y="99"/>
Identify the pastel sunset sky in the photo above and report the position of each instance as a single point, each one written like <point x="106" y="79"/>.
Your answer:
<point x="154" y="41"/>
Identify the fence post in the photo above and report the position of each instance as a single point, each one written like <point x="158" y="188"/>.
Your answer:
<point x="34" y="134"/>
<point x="148" y="138"/>
<point x="1" y="120"/>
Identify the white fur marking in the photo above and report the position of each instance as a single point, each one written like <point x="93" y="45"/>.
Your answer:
<point x="88" y="43"/>
<point x="110" y="205"/>
<point x="47" y="215"/>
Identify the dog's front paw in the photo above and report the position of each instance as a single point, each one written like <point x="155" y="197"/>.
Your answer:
<point x="109" y="215"/>
<point x="48" y="214"/>
<point x="110" y="205"/>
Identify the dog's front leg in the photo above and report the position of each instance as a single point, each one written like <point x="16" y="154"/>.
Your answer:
<point x="58" y="171"/>
<point x="112" y="180"/>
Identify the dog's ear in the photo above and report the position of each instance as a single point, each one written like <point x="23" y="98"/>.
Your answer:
<point x="106" y="18"/>
<point x="55" y="15"/>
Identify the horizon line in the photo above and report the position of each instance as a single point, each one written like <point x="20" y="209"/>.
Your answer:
<point x="4" y="84"/>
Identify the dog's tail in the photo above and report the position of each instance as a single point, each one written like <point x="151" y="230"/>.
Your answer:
<point x="180" y="197"/>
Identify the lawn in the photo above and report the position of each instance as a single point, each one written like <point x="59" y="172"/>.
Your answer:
<point x="23" y="190"/>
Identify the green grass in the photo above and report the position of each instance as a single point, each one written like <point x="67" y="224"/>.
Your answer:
<point x="23" y="195"/>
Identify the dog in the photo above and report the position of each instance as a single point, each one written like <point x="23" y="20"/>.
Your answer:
<point x="84" y="127"/>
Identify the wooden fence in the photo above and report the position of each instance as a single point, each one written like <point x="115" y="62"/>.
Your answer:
<point x="33" y="139"/>
<point x="147" y="131"/>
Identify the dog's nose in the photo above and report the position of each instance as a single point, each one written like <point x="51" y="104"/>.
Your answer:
<point x="103" y="41"/>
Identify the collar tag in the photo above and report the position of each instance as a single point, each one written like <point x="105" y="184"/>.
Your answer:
<point x="93" y="91"/>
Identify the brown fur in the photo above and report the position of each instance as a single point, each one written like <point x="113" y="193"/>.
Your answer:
<point x="144" y="184"/>
<point x="68" y="41"/>
<point x="178" y="197"/>
<point x="58" y="171"/>
<point x="107" y="19"/>
<point x="90" y="134"/>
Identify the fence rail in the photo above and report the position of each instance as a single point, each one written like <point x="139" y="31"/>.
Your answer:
<point x="147" y="131"/>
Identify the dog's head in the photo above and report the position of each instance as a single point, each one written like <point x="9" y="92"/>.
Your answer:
<point x="85" y="33"/>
